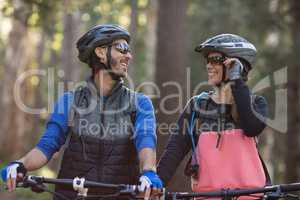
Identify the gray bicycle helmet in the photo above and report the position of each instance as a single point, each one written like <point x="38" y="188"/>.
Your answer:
<point x="98" y="36"/>
<point x="231" y="45"/>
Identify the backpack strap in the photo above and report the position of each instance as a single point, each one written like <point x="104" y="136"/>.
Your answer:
<point x="192" y="167"/>
<point x="81" y="98"/>
<point x="133" y="102"/>
<point x="267" y="175"/>
<point x="197" y="107"/>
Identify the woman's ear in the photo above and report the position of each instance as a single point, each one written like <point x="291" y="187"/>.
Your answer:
<point x="101" y="53"/>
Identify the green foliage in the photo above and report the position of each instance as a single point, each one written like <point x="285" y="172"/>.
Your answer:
<point x="266" y="23"/>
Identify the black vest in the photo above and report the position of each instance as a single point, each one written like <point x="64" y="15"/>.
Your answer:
<point x="101" y="147"/>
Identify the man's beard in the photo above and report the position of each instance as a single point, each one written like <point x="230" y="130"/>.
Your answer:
<point x="115" y="75"/>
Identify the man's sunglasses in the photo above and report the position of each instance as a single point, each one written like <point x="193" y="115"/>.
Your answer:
<point x="123" y="48"/>
<point x="215" y="59"/>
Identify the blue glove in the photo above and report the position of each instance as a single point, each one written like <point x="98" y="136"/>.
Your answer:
<point x="149" y="179"/>
<point x="12" y="170"/>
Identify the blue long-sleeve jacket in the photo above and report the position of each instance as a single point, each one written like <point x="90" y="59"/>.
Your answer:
<point x="56" y="130"/>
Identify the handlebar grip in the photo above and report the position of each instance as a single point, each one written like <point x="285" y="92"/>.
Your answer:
<point x="158" y="190"/>
<point x="152" y="193"/>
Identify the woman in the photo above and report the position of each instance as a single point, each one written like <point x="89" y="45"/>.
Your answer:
<point x="221" y="126"/>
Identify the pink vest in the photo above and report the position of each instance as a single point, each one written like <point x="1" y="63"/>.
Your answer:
<point x="234" y="164"/>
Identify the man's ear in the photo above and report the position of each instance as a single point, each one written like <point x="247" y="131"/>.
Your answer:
<point x="101" y="53"/>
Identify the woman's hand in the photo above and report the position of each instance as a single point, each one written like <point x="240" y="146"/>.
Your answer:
<point x="234" y="68"/>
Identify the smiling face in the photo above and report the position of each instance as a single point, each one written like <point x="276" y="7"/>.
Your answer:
<point x="214" y="67"/>
<point x="120" y="57"/>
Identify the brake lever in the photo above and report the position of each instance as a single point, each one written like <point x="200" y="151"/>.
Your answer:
<point x="292" y="196"/>
<point x="273" y="195"/>
<point x="36" y="184"/>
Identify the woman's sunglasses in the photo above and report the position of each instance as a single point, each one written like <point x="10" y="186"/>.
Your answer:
<point x="123" y="48"/>
<point x="215" y="60"/>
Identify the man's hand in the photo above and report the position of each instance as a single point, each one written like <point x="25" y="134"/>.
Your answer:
<point x="234" y="68"/>
<point x="149" y="181"/>
<point x="13" y="172"/>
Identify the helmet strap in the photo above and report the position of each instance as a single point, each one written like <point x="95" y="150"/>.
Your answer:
<point x="113" y="75"/>
<point x="223" y="77"/>
<point x="223" y="73"/>
<point x="108" y="56"/>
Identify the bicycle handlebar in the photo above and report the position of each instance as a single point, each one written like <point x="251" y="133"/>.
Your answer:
<point x="274" y="191"/>
<point x="81" y="185"/>
<point x="88" y="184"/>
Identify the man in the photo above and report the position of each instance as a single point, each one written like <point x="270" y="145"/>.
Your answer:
<point x="109" y="130"/>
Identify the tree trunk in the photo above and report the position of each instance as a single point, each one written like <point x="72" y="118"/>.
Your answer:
<point x="133" y="31"/>
<point x="17" y="58"/>
<point x="69" y="62"/>
<point x="170" y="71"/>
<point x="292" y="137"/>
<point x="150" y="44"/>
<point x="37" y="93"/>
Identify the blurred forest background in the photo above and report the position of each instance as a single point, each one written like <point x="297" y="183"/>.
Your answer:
<point x="41" y="35"/>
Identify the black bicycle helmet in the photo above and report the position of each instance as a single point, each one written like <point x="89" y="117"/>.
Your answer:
<point x="98" y="36"/>
<point x="231" y="45"/>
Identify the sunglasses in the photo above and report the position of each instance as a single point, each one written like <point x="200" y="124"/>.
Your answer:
<point x="215" y="60"/>
<point x="123" y="48"/>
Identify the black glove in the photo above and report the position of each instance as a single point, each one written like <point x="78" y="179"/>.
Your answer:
<point x="234" y="71"/>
